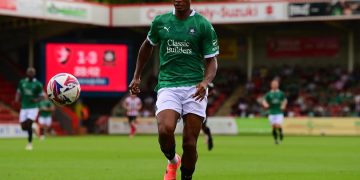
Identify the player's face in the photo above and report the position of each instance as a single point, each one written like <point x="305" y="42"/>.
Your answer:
<point x="182" y="5"/>
<point x="274" y="84"/>
<point x="30" y="72"/>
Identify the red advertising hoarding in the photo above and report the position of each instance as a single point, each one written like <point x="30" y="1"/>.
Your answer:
<point x="298" y="47"/>
<point x="98" y="67"/>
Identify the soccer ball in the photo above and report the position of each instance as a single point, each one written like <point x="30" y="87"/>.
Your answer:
<point x="63" y="89"/>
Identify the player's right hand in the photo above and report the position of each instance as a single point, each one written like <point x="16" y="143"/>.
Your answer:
<point x="266" y="106"/>
<point x="134" y="86"/>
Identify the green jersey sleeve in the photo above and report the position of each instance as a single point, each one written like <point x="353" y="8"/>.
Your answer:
<point x="210" y="41"/>
<point x="153" y="35"/>
<point x="39" y="89"/>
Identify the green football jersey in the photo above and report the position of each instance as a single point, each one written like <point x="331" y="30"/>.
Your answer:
<point x="275" y="99"/>
<point x="45" y="104"/>
<point x="29" y="90"/>
<point x="184" y="44"/>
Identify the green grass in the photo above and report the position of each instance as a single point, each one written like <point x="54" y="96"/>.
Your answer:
<point x="234" y="157"/>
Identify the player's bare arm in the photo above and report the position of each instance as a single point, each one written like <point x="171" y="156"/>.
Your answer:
<point x="143" y="56"/>
<point x="210" y="73"/>
<point x="17" y="97"/>
<point x="265" y="104"/>
<point x="284" y="104"/>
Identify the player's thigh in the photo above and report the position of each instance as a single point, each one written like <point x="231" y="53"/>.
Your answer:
<point x="168" y="109"/>
<point x="48" y="121"/>
<point x="42" y="120"/>
<point x="276" y="119"/>
<point x="32" y="113"/>
<point x="272" y="119"/>
<point x="167" y="120"/>
<point x="192" y="126"/>
<point x="22" y="115"/>
<point x="168" y="99"/>
<point x="279" y="119"/>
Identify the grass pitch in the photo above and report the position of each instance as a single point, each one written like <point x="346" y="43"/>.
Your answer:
<point x="233" y="158"/>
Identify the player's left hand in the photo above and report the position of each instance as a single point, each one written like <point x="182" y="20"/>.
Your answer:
<point x="135" y="86"/>
<point x="200" y="91"/>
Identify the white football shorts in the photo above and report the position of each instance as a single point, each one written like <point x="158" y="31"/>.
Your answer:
<point x="276" y="119"/>
<point x="45" y="120"/>
<point x="180" y="100"/>
<point x="30" y="113"/>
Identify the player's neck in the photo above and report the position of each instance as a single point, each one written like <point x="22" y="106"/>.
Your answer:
<point x="183" y="14"/>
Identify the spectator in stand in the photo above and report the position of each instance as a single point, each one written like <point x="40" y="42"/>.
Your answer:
<point x="242" y="107"/>
<point x="133" y="105"/>
<point x="357" y="103"/>
<point x="147" y="112"/>
<point x="82" y="112"/>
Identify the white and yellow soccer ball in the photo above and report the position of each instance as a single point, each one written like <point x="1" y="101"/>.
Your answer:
<point x="63" y="89"/>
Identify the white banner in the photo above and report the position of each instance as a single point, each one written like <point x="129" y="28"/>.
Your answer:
<point x="218" y="125"/>
<point x="31" y="7"/>
<point x="217" y="13"/>
<point x="59" y="10"/>
<point x="69" y="11"/>
<point x="100" y="15"/>
<point x="11" y="131"/>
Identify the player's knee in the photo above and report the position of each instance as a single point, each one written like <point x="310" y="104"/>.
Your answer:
<point x="26" y="125"/>
<point x="23" y="126"/>
<point x="189" y="145"/>
<point x="165" y="131"/>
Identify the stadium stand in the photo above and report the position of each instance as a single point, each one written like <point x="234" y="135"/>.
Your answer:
<point x="7" y="95"/>
<point x="7" y="115"/>
<point x="323" y="91"/>
<point x="7" y="92"/>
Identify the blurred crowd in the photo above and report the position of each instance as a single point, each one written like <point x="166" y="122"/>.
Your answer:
<point x="328" y="91"/>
